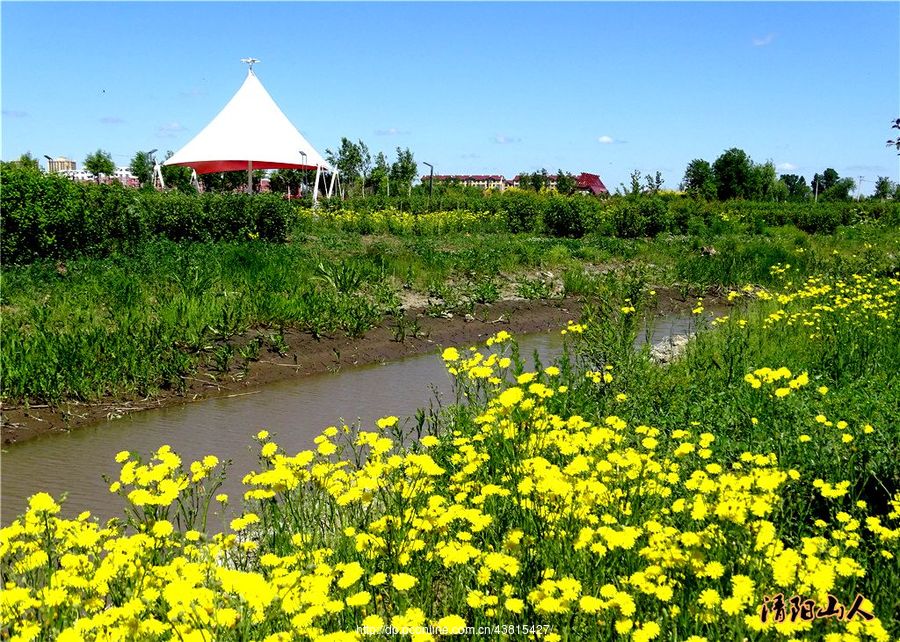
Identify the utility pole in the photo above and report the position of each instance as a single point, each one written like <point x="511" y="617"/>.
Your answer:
<point x="430" y="183"/>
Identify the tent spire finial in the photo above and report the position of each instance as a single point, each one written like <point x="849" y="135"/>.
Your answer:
<point x="250" y="62"/>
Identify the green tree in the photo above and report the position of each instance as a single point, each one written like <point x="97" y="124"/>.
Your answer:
<point x="840" y="191"/>
<point x="27" y="161"/>
<point x="761" y="181"/>
<point x="699" y="180"/>
<point x="654" y="182"/>
<point x="352" y="161"/>
<point x="797" y="189"/>
<point x="380" y="176"/>
<point x="884" y="188"/>
<point x="404" y="170"/>
<point x="635" y="189"/>
<point x="828" y="179"/>
<point x="732" y="173"/>
<point x="565" y="183"/>
<point x="98" y="163"/>
<point x="142" y="167"/>
<point x="539" y="180"/>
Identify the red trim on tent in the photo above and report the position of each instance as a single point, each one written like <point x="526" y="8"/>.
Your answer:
<point x="210" y="167"/>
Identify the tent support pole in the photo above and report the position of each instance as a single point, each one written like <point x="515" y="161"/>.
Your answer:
<point x="195" y="181"/>
<point x="331" y="184"/>
<point x="249" y="177"/>
<point x="158" y="177"/>
<point x="316" y="188"/>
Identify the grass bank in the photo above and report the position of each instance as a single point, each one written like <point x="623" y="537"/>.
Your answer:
<point x="140" y="323"/>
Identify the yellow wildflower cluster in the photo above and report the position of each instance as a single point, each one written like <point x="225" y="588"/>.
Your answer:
<point x="598" y="527"/>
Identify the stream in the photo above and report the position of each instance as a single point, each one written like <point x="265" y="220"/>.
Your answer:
<point x="294" y="411"/>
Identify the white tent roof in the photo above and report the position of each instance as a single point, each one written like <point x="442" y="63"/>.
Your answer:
<point x="250" y="128"/>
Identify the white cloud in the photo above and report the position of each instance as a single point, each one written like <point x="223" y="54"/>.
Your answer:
<point x="390" y="131"/>
<point x="786" y="167"/>
<point x="606" y="140"/>
<point x="764" y="41"/>
<point x="502" y="139"/>
<point x="169" y="130"/>
<point x="193" y="92"/>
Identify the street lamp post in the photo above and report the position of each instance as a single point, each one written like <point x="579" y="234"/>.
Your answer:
<point x="430" y="183"/>
<point x="49" y="160"/>
<point x="303" y="156"/>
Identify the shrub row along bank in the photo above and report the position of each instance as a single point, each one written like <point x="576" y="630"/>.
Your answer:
<point x="574" y="216"/>
<point x="51" y="217"/>
<point x="552" y="500"/>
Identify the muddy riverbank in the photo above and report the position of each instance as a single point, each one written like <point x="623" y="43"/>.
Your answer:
<point x="304" y="355"/>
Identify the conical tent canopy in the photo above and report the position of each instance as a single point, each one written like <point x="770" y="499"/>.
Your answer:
<point x="250" y="132"/>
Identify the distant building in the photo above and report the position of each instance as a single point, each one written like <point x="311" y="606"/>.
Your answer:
<point x="584" y="183"/>
<point x="59" y="165"/>
<point x="590" y="184"/>
<point x="124" y="176"/>
<point x="80" y="175"/>
<point x="481" y="181"/>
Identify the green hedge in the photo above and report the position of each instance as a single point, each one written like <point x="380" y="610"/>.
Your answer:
<point x="51" y="217"/>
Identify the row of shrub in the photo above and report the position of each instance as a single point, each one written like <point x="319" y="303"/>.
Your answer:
<point x="51" y="217"/>
<point x="623" y="216"/>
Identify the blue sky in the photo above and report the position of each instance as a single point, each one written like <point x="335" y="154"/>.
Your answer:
<point x="472" y="88"/>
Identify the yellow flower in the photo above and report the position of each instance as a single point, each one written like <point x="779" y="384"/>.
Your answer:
<point x="403" y="581"/>
<point x="450" y="354"/>
<point x="42" y="503"/>
<point x="162" y="528"/>
<point x="386" y="422"/>
<point x="510" y="397"/>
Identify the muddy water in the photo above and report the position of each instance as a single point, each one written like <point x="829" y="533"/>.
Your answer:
<point x="295" y="411"/>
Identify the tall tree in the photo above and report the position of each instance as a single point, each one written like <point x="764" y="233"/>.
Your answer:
<point x="654" y="182"/>
<point x="404" y="170"/>
<point x="825" y="181"/>
<point x="352" y="160"/>
<point x="761" y="182"/>
<point x="565" y="183"/>
<point x="142" y="167"/>
<point x="539" y="180"/>
<point x="732" y="173"/>
<point x="839" y="191"/>
<point x="100" y="162"/>
<point x="797" y="189"/>
<point x="884" y="188"/>
<point x="699" y="180"/>
<point x="28" y="161"/>
<point x="380" y="176"/>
